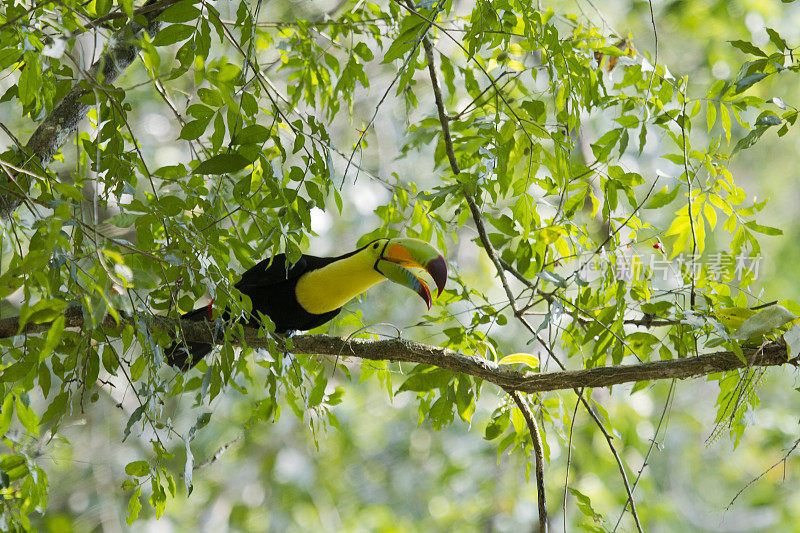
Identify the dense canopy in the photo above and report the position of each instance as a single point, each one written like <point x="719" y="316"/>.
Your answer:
<point x="612" y="188"/>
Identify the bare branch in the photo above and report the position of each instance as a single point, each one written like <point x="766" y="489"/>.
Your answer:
<point x="691" y="192"/>
<point x="218" y="454"/>
<point x="533" y="428"/>
<point x="569" y="455"/>
<point x="437" y="94"/>
<point x="765" y="472"/>
<point x="649" y="451"/>
<point x="620" y="465"/>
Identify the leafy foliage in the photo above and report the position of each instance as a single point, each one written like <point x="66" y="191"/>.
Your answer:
<point x="603" y="183"/>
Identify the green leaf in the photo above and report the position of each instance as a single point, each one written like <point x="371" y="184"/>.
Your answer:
<point x="504" y="223"/>
<point x="53" y="337"/>
<point x="172" y="34"/>
<point x="200" y="423"/>
<point x="426" y="381"/>
<point x="134" y="506"/>
<point x="56" y="409"/>
<point x="497" y="426"/>
<point x="585" y="506"/>
<point x="642" y="342"/>
<point x="766" y="230"/>
<point x="194" y="129"/>
<point x="211" y="97"/>
<point x="222" y="164"/>
<point x="318" y="391"/>
<point x="253" y="134"/>
<point x="8" y="57"/>
<point x="123" y="220"/>
<point x="26" y="416"/>
<point x="363" y="51"/>
<point x="748" y="48"/>
<point x="662" y="198"/>
<point x="137" y="468"/>
<point x="135" y="417"/>
<point x="102" y="7"/>
<point x="138" y="367"/>
<point x="750" y="139"/>
<point x="658" y="308"/>
<point x="127" y="7"/>
<point x="299" y="142"/>
<point x="711" y="115"/>
<point x="68" y="191"/>
<point x="768" y="119"/>
<point x="410" y="30"/>
<point x="441" y="413"/>
<point x="777" y="40"/>
<point x="180" y="12"/>
<point x="465" y="399"/>
<point x="628" y="121"/>
<point x="750" y="80"/>
<point x="20" y="369"/>
<point x="30" y="80"/>
<point x="171" y="205"/>
<point x="6" y="413"/>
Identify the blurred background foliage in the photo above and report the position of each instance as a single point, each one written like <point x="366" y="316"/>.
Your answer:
<point x="374" y="459"/>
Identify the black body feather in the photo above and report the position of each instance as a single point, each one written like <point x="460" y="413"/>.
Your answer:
<point x="271" y="288"/>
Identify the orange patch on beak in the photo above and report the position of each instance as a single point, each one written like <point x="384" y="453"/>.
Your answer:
<point x="400" y="255"/>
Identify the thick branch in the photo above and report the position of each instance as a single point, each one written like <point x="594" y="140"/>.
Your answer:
<point x="401" y="350"/>
<point x="65" y="117"/>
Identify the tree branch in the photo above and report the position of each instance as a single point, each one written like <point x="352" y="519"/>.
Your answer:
<point x="401" y="350"/>
<point x="533" y="428"/>
<point x="65" y="117"/>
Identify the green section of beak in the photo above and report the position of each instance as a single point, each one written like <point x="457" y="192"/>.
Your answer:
<point x="401" y="254"/>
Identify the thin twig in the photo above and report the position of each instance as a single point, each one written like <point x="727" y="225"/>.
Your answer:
<point x="569" y="457"/>
<point x="214" y="458"/>
<point x="533" y="428"/>
<point x="621" y="467"/>
<point x="478" y="64"/>
<point x="655" y="59"/>
<point x="437" y="95"/>
<point x="411" y="56"/>
<point x="650" y="449"/>
<point x="765" y="472"/>
<point x="689" y="180"/>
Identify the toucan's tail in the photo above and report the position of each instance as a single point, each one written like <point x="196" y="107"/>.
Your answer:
<point x="185" y="355"/>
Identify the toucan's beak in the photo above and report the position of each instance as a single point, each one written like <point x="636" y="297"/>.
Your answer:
<point x="401" y="255"/>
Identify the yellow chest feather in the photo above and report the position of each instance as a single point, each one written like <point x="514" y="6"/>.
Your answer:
<point x="330" y="287"/>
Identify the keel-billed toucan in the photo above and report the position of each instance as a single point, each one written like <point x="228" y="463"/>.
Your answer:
<point x="312" y="291"/>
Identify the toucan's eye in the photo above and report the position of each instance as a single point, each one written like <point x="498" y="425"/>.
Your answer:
<point x="375" y="246"/>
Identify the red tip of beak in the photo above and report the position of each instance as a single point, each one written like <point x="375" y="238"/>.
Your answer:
<point x="426" y="294"/>
<point x="437" y="268"/>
